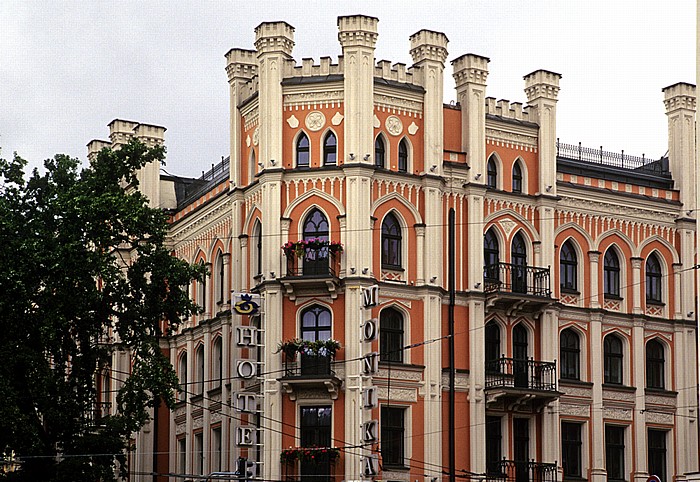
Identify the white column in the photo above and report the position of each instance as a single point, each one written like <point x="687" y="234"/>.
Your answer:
<point x="680" y="101"/>
<point x="594" y="258"/>
<point x="550" y="416"/>
<point x="241" y="66"/>
<point x="597" y="428"/>
<point x="477" y="403"/>
<point x="636" y="286"/>
<point x="639" y="420"/>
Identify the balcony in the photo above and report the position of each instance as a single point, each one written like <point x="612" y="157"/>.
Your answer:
<point x="515" y="287"/>
<point x="95" y="416"/>
<point x="521" y="471"/>
<point x="520" y="382"/>
<point x="310" y="371"/>
<point x="315" y="268"/>
<point x="313" y="464"/>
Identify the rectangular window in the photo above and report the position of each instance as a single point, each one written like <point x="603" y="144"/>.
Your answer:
<point x="216" y="449"/>
<point x="615" y="452"/>
<point x="657" y="453"/>
<point x="182" y="455"/>
<point x="198" y="453"/>
<point x="493" y="445"/>
<point x="315" y="431"/>
<point x="571" y="449"/>
<point x="392" y="436"/>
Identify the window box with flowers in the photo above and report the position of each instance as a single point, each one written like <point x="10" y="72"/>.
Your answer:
<point x="299" y="248"/>
<point x="313" y="455"/>
<point x="318" y="348"/>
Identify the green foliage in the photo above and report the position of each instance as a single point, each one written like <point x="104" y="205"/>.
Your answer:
<point x="83" y="272"/>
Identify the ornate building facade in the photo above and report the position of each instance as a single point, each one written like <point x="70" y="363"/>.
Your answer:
<point x="558" y="342"/>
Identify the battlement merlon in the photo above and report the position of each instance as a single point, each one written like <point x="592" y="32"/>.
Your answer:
<point x="151" y="135"/>
<point x="95" y="146"/>
<point x="274" y="37"/>
<point x="681" y="95"/>
<point x="470" y="69"/>
<point x="506" y="109"/>
<point x="357" y="31"/>
<point x="542" y="84"/>
<point x="241" y="64"/>
<point x="428" y="45"/>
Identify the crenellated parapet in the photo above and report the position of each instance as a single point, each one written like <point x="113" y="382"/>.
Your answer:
<point x="357" y="31"/>
<point x="274" y="37"/>
<point x="542" y="84"/>
<point x="470" y="69"/>
<point x="679" y="96"/>
<point x="507" y="109"/>
<point x="308" y="68"/>
<point x="428" y="45"/>
<point x="394" y="72"/>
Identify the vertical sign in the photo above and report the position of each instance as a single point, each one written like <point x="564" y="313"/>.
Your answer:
<point x="370" y="366"/>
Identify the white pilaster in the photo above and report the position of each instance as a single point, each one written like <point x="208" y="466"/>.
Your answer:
<point x="680" y="101"/>
<point x="241" y="66"/>
<point x="636" y="286"/>
<point x="598" y="471"/>
<point x="477" y="403"/>
<point x="639" y="434"/>
<point x="470" y="72"/>
<point x="542" y="88"/>
<point x="594" y="260"/>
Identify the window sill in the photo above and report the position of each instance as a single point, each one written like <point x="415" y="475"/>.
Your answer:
<point x="396" y="269"/>
<point x="608" y="296"/>
<point x="398" y="468"/>
<point x="574" y="478"/>
<point x="576" y="382"/>
<point x="660" y="391"/>
<point x="569" y="291"/>
<point x="655" y="303"/>
<point x="399" y="365"/>
<point x="620" y="387"/>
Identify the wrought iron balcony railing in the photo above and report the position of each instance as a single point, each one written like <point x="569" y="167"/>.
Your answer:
<point x="517" y="279"/>
<point x="310" y="366"/>
<point x="521" y="471"/>
<point x="316" y="262"/>
<point x="522" y="374"/>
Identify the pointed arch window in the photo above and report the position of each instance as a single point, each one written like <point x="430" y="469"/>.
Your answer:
<point x="316" y="259"/>
<point x="316" y="326"/>
<point x="258" y="236"/>
<point x="403" y="156"/>
<point x="520" y="356"/>
<point x="491" y="256"/>
<point x="492" y="347"/>
<point x="568" y="266"/>
<point x="220" y="277"/>
<point x="655" y="365"/>
<point x="391" y="242"/>
<point x="518" y="259"/>
<point x="379" y="152"/>
<point x="202" y="290"/>
<point x="570" y="355"/>
<point x="303" y="153"/>
<point x="611" y="273"/>
<point x="182" y="372"/>
<point x="330" y="150"/>
<point x="653" y="279"/>
<point x="612" y="360"/>
<point x="517" y="177"/>
<point x="199" y="360"/>
<point x="217" y="363"/>
<point x="491" y="174"/>
<point x="253" y="166"/>
<point x="391" y="335"/>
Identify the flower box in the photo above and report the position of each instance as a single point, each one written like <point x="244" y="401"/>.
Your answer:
<point x="316" y="455"/>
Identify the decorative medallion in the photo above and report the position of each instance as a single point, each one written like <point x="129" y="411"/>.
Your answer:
<point x="256" y="136"/>
<point x="315" y="121"/>
<point x="337" y="119"/>
<point x="394" y="125"/>
<point x="413" y="128"/>
<point x="247" y="141"/>
<point x="293" y="122"/>
<point x="377" y="122"/>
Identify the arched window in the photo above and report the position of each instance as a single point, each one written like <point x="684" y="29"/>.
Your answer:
<point x="518" y="259"/>
<point x="653" y="279"/>
<point x="492" y="347"/>
<point x="199" y="366"/>
<point x="491" y="173"/>
<point x="568" y="267"/>
<point x="220" y="276"/>
<point x="303" y="150"/>
<point x="202" y="290"/>
<point x="391" y="336"/>
<point x="655" y="365"/>
<point x="330" y="149"/>
<point x="520" y="356"/>
<point x="258" y="237"/>
<point x="612" y="360"/>
<point x="379" y="152"/>
<point x="391" y="242"/>
<point x="570" y="355"/>
<point x="182" y="372"/>
<point x="316" y="258"/>
<point x="403" y="156"/>
<point x="611" y="273"/>
<point x="491" y="256"/>
<point x="217" y="363"/>
<point x="316" y="323"/>
<point x="517" y="177"/>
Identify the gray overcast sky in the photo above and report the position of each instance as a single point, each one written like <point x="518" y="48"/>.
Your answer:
<point x="68" y="68"/>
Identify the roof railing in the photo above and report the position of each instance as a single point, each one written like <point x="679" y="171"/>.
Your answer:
<point x="618" y="160"/>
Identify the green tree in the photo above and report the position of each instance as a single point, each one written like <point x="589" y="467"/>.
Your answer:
<point x="84" y="271"/>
